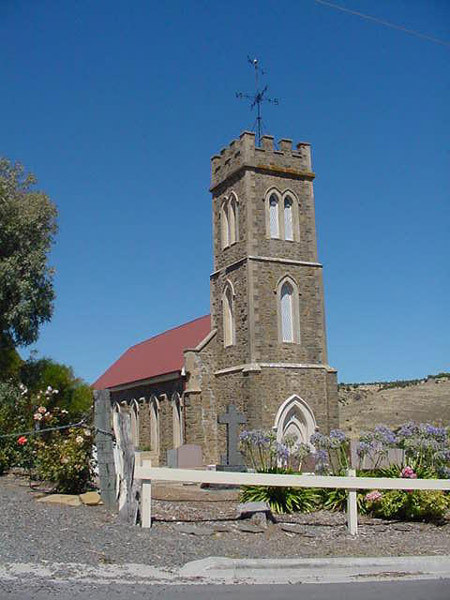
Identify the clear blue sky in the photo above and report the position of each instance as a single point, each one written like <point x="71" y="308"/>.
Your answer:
<point x="117" y="107"/>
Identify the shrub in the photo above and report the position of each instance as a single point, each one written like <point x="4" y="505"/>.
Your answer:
<point x="332" y="452"/>
<point x="66" y="460"/>
<point x="282" y="499"/>
<point x="418" y="505"/>
<point x="4" y="463"/>
<point x="265" y="454"/>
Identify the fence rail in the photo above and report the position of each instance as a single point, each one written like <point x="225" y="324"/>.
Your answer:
<point x="145" y="472"/>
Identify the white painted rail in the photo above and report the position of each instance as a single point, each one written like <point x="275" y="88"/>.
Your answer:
<point x="148" y="474"/>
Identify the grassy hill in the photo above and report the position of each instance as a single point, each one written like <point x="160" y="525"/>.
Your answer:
<point x="364" y="405"/>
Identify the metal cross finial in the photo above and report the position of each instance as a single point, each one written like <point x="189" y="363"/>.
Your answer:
<point x="257" y="98"/>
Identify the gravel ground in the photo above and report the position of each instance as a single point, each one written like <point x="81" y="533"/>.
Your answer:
<point x="190" y="530"/>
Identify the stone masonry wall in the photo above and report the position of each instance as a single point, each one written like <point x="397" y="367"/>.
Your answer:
<point x="268" y="347"/>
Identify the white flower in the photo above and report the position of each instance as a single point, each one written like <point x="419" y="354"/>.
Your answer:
<point x="64" y="412"/>
<point x="86" y="432"/>
<point x="79" y="439"/>
<point x="49" y="388"/>
<point x="56" y="391"/>
<point x="37" y="416"/>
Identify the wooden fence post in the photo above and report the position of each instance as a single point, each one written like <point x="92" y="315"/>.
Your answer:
<point x="105" y="452"/>
<point x="352" y="508"/>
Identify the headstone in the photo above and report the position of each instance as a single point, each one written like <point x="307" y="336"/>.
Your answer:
<point x="172" y="458"/>
<point x="395" y="456"/>
<point x="233" y="459"/>
<point x="309" y="464"/>
<point x="187" y="456"/>
<point x="190" y="456"/>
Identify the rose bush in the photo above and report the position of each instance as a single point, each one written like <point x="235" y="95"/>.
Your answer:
<point x="66" y="460"/>
<point x="62" y="457"/>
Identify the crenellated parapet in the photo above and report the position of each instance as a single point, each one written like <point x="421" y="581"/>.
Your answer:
<point x="244" y="153"/>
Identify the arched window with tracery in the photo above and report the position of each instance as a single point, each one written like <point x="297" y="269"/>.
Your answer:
<point x="289" y="321"/>
<point x="228" y="316"/>
<point x="288" y="219"/>
<point x="274" y="219"/>
<point x="295" y="420"/>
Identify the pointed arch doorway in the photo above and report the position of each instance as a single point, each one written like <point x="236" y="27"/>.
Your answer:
<point x="296" y="420"/>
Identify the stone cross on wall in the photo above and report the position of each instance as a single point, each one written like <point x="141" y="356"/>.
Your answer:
<point x="232" y="419"/>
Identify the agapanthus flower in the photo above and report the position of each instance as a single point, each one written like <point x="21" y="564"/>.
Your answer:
<point x="320" y="441"/>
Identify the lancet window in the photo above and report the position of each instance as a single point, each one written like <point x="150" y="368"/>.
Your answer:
<point x="282" y="216"/>
<point x="228" y="316"/>
<point x="229" y="221"/>
<point x="288" y="311"/>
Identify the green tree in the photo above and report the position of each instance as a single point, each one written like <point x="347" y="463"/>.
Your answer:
<point x="74" y="394"/>
<point x="27" y="231"/>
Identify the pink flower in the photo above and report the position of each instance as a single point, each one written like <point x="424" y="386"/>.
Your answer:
<point x="22" y="440"/>
<point x="42" y="410"/>
<point x="408" y="473"/>
<point x="374" y="496"/>
<point x="37" y="416"/>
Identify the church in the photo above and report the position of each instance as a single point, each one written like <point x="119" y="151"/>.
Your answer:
<point x="263" y="348"/>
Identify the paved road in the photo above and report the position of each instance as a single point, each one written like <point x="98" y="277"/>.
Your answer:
<point x="404" y="590"/>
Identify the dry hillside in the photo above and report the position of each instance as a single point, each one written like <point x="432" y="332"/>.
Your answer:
<point x="362" y="406"/>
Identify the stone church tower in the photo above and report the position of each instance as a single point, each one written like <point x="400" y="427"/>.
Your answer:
<point x="263" y="348"/>
<point x="268" y="353"/>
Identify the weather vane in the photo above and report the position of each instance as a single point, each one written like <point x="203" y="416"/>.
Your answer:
<point x="257" y="98"/>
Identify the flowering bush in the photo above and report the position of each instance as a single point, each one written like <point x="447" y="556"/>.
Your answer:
<point x="376" y="444"/>
<point x="265" y="454"/>
<point x="62" y="457"/>
<point x="66" y="460"/>
<point x="15" y="415"/>
<point x="425" y="445"/>
<point x="332" y="452"/>
<point x="418" y="505"/>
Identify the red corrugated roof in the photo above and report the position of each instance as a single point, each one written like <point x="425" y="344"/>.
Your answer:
<point x="159" y="355"/>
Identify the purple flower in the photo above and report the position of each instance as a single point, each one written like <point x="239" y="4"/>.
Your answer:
<point x="282" y="452"/>
<point x="320" y="441"/>
<point x="322" y="463"/>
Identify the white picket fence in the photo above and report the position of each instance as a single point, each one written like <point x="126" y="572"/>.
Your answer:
<point x="145" y="472"/>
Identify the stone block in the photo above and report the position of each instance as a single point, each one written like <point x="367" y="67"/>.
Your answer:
<point x="90" y="498"/>
<point x="61" y="499"/>
<point x="248" y="509"/>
